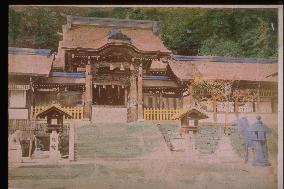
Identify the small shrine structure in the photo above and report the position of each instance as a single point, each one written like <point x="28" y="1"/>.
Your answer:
<point x="189" y="119"/>
<point x="55" y="115"/>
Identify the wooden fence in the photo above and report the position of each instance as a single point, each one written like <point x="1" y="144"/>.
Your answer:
<point x="152" y="114"/>
<point x="76" y="112"/>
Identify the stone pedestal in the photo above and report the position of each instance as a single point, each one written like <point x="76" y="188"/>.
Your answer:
<point x="15" y="153"/>
<point x="14" y="148"/>
<point x="54" y="153"/>
<point x="261" y="154"/>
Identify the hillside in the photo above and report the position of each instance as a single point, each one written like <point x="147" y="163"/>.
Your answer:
<point x="186" y="31"/>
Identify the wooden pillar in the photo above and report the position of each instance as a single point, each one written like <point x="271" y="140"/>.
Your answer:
<point x="132" y="109"/>
<point x="125" y="96"/>
<point x="118" y="91"/>
<point x="146" y="101"/>
<point x="181" y="102"/>
<point x="160" y="100"/>
<point x="31" y="98"/>
<point x="154" y="101"/>
<point x="140" y="93"/>
<point x="88" y="92"/>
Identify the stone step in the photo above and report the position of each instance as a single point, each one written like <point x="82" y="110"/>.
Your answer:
<point x="118" y="140"/>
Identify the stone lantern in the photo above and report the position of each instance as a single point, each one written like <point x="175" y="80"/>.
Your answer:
<point x="188" y="126"/>
<point x="258" y="132"/>
<point x="55" y="115"/>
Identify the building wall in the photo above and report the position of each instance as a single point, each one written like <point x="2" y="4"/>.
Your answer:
<point x="65" y="98"/>
<point x="22" y="113"/>
<point x="267" y="108"/>
<point x="17" y="98"/>
<point x="18" y="104"/>
<point x="267" y="118"/>
<point x="157" y="101"/>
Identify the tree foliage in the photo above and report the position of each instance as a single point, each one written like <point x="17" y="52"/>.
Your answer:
<point x="186" y="31"/>
<point x="222" y="91"/>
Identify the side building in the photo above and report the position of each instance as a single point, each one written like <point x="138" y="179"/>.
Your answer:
<point x="26" y="67"/>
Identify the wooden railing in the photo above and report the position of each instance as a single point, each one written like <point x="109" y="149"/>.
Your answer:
<point x="76" y="112"/>
<point x="152" y="114"/>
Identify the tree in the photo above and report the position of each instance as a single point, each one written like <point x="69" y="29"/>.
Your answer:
<point x="223" y="91"/>
<point x="185" y="31"/>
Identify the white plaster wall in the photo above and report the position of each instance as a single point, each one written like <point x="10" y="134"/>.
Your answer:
<point x="18" y="113"/>
<point x="17" y="99"/>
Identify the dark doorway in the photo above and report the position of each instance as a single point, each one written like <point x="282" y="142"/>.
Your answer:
<point x="108" y="95"/>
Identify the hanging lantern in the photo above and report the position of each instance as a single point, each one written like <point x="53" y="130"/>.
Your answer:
<point x="121" y="67"/>
<point x="95" y="86"/>
<point x="112" y="86"/>
<point x="111" y="67"/>
<point x="104" y="86"/>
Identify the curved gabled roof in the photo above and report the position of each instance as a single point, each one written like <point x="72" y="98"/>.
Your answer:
<point x="97" y="36"/>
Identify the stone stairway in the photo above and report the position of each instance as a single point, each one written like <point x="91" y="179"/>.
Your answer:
<point x="118" y="141"/>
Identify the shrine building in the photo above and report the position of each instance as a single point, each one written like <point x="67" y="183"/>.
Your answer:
<point x="120" y="71"/>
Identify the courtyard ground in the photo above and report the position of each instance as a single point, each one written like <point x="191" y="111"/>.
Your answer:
<point x="151" y="165"/>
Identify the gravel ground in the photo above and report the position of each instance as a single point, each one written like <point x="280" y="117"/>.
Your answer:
<point x="162" y="171"/>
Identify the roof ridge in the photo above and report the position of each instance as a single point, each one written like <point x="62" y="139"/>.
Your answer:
<point x="108" y="18"/>
<point x="224" y="59"/>
<point x="112" y="22"/>
<point x="30" y="51"/>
